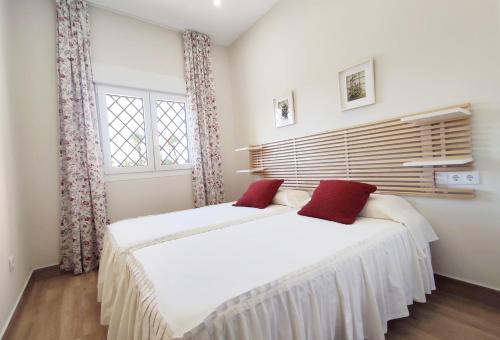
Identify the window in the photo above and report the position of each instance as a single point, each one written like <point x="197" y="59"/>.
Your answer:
<point x="142" y="131"/>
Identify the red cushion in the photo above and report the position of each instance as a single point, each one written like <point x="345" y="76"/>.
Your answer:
<point x="260" y="193"/>
<point x="338" y="201"/>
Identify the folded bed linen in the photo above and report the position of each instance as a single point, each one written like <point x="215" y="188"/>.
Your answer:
<point x="131" y="234"/>
<point x="281" y="277"/>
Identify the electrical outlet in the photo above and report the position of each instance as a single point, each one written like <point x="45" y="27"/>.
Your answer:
<point x="454" y="178"/>
<point x="11" y="263"/>
<point x="471" y="177"/>
<point x="458" y="178"/>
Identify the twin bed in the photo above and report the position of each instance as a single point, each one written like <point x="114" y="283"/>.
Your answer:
<point x="225" y="272"/>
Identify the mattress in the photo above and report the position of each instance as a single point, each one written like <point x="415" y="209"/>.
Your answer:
<point x="132" y="234"/>
<point x="280" y="277"/>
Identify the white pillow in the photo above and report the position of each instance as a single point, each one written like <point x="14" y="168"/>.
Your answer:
<point x="377" y="205"/>
<point x="292" y="198"/>
<point x="395" y="208"/>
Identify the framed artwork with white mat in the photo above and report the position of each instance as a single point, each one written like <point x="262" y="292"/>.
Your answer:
<point x="357" y="85"/>
<point x="284" y="113"/>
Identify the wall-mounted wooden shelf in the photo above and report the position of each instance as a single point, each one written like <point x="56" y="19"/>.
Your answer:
<point x="439" y="161"/>
<point x="250" y="171"/>
<point x="437" y="116"/>
<point x="392" y="154"/>
<point x="249" y="148"/>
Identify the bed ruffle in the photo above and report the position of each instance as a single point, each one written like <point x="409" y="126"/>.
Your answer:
<point x="111" y="267"/>
<point x="351" y="295"/>
<point x="113" y="257"/>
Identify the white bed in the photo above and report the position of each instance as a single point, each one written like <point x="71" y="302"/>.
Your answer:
<point x="132" y="234"/>
<point x="280" y="277"/>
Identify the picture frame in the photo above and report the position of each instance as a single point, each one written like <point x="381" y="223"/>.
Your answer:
<point x="357" y="85"/>
<point x="284" y="113"/>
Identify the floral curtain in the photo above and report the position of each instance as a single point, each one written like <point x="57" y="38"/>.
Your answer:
<point x="208" y="184"/>
<point x="83" y="198"/>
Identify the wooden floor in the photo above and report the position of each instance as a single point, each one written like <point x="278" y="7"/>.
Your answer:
<point x="65" y="307"/>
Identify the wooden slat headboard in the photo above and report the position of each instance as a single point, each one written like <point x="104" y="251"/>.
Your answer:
<point x="379" y="153"/>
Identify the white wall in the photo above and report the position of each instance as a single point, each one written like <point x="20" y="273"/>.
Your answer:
<point x="148" y="51"/>
<point x="427" y="53"/>
<point x="139" y="47"/>
<point x="146" y="48"/>
<point x="32" y="84"/>
<point x="12" y="234"/>
<point x="29" y="129"/>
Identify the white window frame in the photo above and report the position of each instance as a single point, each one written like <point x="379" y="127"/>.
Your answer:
<point x="155" y="96"/>
<point x="154" y="166"/>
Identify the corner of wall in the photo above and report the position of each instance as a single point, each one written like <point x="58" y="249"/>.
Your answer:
<point x="13" y="233"/>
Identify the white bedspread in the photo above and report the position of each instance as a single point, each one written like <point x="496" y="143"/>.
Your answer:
<point x="128" y="235"/>
<point x="396" y="208"/>
<point x="282" y="277"/>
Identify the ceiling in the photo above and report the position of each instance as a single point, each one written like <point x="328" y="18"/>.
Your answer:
<point x="223" y="23"/>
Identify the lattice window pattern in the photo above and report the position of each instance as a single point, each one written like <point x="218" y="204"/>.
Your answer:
<point x="172" y="132"/>
<point x="127" y="132"/>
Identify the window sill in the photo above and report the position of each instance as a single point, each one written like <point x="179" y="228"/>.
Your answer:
<point x="145" y="175"/>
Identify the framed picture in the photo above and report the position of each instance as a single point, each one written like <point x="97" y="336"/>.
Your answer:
<point x="283" y="110"/>
<point x="357" y="86"/>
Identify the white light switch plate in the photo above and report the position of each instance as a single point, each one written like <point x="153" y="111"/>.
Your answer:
<point x="11" y="263"/>
<point x="441" y="178"/>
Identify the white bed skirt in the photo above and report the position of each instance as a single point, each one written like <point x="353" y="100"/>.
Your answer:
<point x="112" y="264"/>
<point x="351" y="295"/>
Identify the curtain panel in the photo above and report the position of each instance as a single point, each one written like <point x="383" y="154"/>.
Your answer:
<point x="204" y="141"/>
<point x="83" y="197"/>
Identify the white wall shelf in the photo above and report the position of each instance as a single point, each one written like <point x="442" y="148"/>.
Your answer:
<point x="250" y="171"/>
<point x="437" y="116"/>
<point x="439" y="161"/>
<point x="249" y="148"/>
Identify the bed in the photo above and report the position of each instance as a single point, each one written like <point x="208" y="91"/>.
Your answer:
<point x="132" y="234"/>
<point x="282" y="276"/>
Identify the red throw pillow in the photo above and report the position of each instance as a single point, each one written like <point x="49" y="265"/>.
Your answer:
<point x="260" y="193"/>
<point x="338" y="201"/>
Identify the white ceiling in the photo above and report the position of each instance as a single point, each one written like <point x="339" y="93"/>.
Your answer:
<point x="224" y="23"/>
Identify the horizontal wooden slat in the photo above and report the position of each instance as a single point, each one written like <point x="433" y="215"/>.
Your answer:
<point x="372" y="153"/>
